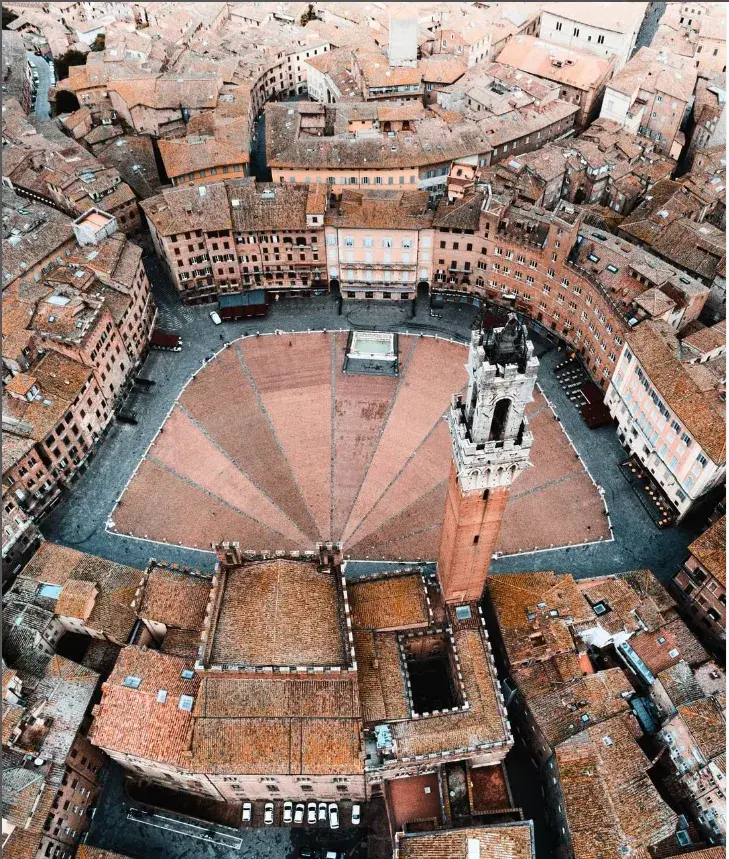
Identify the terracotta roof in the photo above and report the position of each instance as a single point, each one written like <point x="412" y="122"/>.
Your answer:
<point x="484" y="723"/>
<point x="442" y="68"/>
<point x="500" y="841"/>
<point x="610" y="802"/>
<point x="680" y="684"/>
<point x="76" y="599"/>
<point x="708" y="338"/>
<point x="181" y="157"/>
<point x="175" y="598"/>
<point x="545" y="60"/>
<point x="135" y="721"/>
<point x="396" y="210"/>
<point x="316" y="746"/>
<point x="278" y="612"/>
<point x="567" y="708"/>
<point x="647" y="71"/>
<point x="14" y="448"/>
<point x="689" y="390"/>
<point x="523" y="602"/>
<point x="117" y="584"/>
<point x="86" y="852"/>
<point x="655" y="647"/>
<point x="396" y="602"/>
<point x="246" y="724"/>
<point x="234" y="204"/>
<point x="710" y="550"/>
<point x="382" y="690"/>
<point x="706" y="720"/>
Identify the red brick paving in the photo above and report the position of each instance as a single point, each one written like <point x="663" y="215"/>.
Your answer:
<point x="435" y="372"/>
<point x="222" y="400"/>
<point x="399" y="487"/>
<point x="295" y="385"/>
<point x="186" y="450"/>
<point x="428" y="467"/>
<point x="361" y="405"/>
<point x="554" y="515"/>
<point x="552" y="455"/>
<point x="409" y="801"/>
<point x="162" y="507"/>
<point x="426" y="512"/>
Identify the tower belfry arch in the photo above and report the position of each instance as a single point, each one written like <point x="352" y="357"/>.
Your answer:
<point x="491" y="444"/>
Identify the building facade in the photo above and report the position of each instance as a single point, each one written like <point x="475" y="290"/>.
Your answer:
<point x="701" y="585"/>
<point x="667" y="410"/>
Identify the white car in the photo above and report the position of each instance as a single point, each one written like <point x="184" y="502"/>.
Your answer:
<point x="355" y="814"/>
<point x="333" y="816"/>
<point x="322" y="811"/>
<point x="247" y="812"/>
<point x="311" y="812"/>
<point x="288" y="812"/>
<point x="268" y="814"/>
<point x="299" y="813"/>
<point x="215" y="317"/>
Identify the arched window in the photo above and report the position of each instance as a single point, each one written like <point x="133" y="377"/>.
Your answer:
<point x="498" y="422"/>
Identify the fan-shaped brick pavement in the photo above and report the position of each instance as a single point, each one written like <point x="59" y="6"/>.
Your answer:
<point x="272" y="445"/>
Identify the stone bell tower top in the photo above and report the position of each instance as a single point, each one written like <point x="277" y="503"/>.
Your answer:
<point x="489" y="431"/>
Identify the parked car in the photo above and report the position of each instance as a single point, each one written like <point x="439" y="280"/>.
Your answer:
<point x="215" y="317"/>
<point x="288" y="812"/>
<point x="333" y="815"/>
<point x="268" y="814"/>
<point x="247" y="812"/>
<point x="322" y="811"/>
<point x="355" y="814"/>
<point x="311" y="812"/>
<point x="299" y="813"/>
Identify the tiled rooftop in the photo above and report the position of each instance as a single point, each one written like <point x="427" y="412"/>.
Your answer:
<point x="710" y="549"/>
<point x="112" y="610"/>
<point x="503" y="841"/>
<point x="278" y="612"/>
<point x="390" y="603"/>
<point x="598" y="769"/>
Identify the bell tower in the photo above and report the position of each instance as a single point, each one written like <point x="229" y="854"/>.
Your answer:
<point x="491" y="446"/>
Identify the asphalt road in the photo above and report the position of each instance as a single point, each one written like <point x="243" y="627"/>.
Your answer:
<point x="42" y="106"/>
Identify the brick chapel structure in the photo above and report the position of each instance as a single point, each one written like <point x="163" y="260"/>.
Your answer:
<point x="491" y="446"/>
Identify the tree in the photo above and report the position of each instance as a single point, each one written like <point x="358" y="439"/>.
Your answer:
<point x="70" y="58"/>
<point x="98" y="44"/>
<point x="8" y="17"/>
<point x="309" y="15"/>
